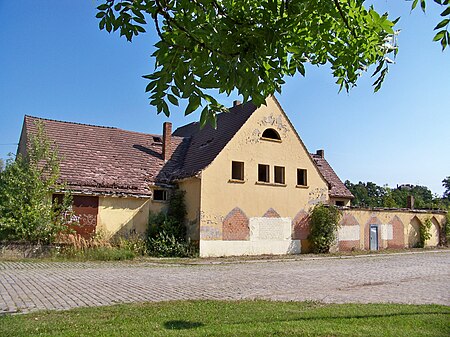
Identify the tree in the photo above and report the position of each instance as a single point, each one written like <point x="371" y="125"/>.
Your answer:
<point x="371" y="195"/>
<point x="250" y="46"/>
<point x="367" y="194"/>
<point x="26" y="185"/>
<point x="446" y="184"/>
<point x="2" y="165"/>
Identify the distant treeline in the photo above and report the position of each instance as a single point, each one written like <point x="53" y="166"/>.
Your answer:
<point x="371" y="195"/>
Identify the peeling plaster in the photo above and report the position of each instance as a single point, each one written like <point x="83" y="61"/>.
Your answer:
<point x="317" y="196"/>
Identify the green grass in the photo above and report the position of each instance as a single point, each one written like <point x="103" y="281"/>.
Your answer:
<point x="244" y="318"/>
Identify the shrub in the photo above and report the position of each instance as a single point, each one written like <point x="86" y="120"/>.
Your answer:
<point x="324" y="222"/>
<point x="167" y="231"/>
<point x="26" y="184"/>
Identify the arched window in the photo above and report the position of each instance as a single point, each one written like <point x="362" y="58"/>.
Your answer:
<point x="271" y="134"/>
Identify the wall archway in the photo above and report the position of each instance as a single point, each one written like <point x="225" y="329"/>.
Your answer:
<point x="414" y="232"/>
<point x="434" y="231"/>
<point x="398" y="237"/>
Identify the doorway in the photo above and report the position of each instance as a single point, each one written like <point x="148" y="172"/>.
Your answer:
<point x="373" y="237"/>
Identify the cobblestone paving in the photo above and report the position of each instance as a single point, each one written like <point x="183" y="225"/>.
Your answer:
<point x="411" y="278"/>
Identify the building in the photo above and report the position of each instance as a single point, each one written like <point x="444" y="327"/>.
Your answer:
<point x="249" y="184"/>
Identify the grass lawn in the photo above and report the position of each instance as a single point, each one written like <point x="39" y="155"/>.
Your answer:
<point x="242" y="318"/>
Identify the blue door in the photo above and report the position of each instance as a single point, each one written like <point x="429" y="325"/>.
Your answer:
<point x="373" y="237"/>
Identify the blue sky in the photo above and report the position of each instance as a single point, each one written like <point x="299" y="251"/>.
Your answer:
<point x="55" y="63"/>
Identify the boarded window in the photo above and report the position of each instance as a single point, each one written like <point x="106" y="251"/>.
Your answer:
<point x="263" y="173"/>
<point x="271" y="134"/>
<point x="160" y="195"/>
<point x="279" y="175"/>
<point x="302" y="177"/>
<point x="237" y="170"/>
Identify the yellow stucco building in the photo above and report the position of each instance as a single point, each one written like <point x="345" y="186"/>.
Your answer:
<point x="249" y="184"/>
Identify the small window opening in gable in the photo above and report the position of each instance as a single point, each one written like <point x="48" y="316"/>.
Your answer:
<point x="160" y="195"/>
<point x="279" y="175"/>
<point x="302" y="177"/>
<point x="157" y="139"/>
<point x="237" y="170"/>
<point x="339" y="203"/>
<point x="263" y="173"/>
<point x="271" y="134"/>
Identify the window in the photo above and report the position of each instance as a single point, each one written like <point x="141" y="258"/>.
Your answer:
<point x="263" y="173"/>
<point x="339" y="203"/>
<point x="237" y="170"/>
<point x="271" y="134"/>
<point x="302" y="177"/>
<point x="160" y="195"/>
<point x="279" y="175"/>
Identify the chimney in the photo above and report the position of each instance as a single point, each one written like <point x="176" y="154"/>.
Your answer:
<point x="236" y="103"/>
<point x="320" y="153"/>
<point x="167" y="137"/>
<point x="410" y="202"/>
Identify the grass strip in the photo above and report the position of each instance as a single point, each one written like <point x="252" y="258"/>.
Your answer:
<point x="234" y="318"/>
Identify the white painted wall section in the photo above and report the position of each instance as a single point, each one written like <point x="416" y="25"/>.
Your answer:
<point x="270" y="229"/>
<point x="235" y="248"/>
<point x="348" y="233"/>
<point x="387" y="232"/>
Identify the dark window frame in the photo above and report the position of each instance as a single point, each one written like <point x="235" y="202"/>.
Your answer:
<point x="237" y="170"/>
<point x="266" y="168"/>
<point x="302" y="177"/>
<point x="271" y="134"/>
<point x="160" y="198"/>
<point x="279" y="175"/>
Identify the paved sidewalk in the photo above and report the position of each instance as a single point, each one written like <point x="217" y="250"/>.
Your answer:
<point x="400" y="278"/>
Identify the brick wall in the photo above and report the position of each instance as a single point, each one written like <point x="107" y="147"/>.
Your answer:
<point x="235" y="226"/>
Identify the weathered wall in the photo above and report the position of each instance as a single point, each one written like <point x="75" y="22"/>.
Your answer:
<point x="396" y="228"/>
<point x="125" y="215"/>
<point x="225" y="203"/>
<point x="192" y="187"/>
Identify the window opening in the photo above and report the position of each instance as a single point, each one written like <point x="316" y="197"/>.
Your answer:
<point x="279" y="175"/>
<point x="301" y="177"/>
<point x="237" y="170"/>
<point x="339" y="203"/>
<point x="271" y="134"/>
<point x="263" y="173"/>
<point x="160" y="195"/>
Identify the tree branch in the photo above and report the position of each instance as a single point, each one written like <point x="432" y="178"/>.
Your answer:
<point x="344" y="18"/>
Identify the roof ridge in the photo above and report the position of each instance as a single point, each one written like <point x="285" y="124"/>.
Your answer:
<point x="101" y="126"/>
<point x="76" y="123"/>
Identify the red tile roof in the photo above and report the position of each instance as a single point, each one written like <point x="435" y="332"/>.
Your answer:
<point x="97" y="159"/>
<point x="107" y="160"/>
<point x="337" y="188"/>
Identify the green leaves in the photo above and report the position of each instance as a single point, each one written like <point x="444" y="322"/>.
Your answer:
<point x="443" y="35"/>
<point x="248" y="47"/>
<point x="26" y="184"/>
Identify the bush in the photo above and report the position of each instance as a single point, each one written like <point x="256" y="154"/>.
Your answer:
<point x="324" y="222"/>
<point x="166" y="234"/>
<point x="26" y="209"/>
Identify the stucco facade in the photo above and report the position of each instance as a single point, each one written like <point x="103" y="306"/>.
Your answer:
<point x="223" y="198"/>
<point x="122" y="216"/>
